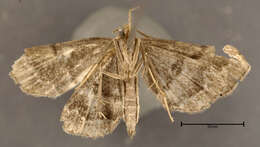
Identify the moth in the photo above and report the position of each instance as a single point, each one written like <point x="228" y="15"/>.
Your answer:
<point x="185" y="77"/>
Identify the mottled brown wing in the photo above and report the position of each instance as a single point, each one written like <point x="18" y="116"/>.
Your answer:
<point x="51" y="70"/>
<point x="90" y="114"/>
<point x="191" y="76"/>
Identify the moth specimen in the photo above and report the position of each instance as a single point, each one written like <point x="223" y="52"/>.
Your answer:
<point x="185" y="77"/>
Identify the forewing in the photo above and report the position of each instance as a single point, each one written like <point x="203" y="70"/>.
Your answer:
<point x="191" y="76"/>
<point x="51" y="70"/>
<point x="89" y="115"/>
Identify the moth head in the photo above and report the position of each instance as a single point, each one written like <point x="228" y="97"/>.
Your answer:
<point x="121" y="32"/>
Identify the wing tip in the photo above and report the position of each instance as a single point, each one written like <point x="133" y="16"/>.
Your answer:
<point x="233" y="52"/>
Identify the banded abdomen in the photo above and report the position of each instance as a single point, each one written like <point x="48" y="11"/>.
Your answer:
<point x="131" y="104"/>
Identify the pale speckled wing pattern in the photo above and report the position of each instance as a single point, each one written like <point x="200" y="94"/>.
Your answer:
<point x="51" y="70"/>
<point x="191" y="76"/>
<point x="90" y="114"/>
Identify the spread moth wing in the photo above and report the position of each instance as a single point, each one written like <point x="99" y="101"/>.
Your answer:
<point x="51" y="70"/>
<point x="191" y="77"/>
<point x="89" y="113"/>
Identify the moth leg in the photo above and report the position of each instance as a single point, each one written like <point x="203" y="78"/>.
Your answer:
<point x="120" y="55"/>
<point x="99" y="94"/>
<point x="151" y="86"/>
<point x="162" y="93"/>
<point x="100" y="85"/>
<point x="100" y="114"/>
<point x="137" y="68"/>
<point x="146" y="67"/>
<point x="88" y="75"/>
<point x="143" y="72"/>
<point x="143" y="34"/>
<point x="93" y="68"/>
<point x="113" y="75"/>
<point x="136" y="52"/>
<point x="137" y="63"/>
<point x="144" y="58"/>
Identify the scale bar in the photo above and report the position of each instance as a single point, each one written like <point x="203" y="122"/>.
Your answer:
<point x="213" y="124"/>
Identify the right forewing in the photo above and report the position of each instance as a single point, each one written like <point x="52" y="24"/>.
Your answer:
<point x="51" y="70"/>
<point x="189" y="77"/>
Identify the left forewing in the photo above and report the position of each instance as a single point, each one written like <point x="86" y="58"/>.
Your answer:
<point x="51" y="70"/>
<point x="191" y="77"/>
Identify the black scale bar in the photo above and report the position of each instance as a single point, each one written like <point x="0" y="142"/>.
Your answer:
<point x="214" y="124"/>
